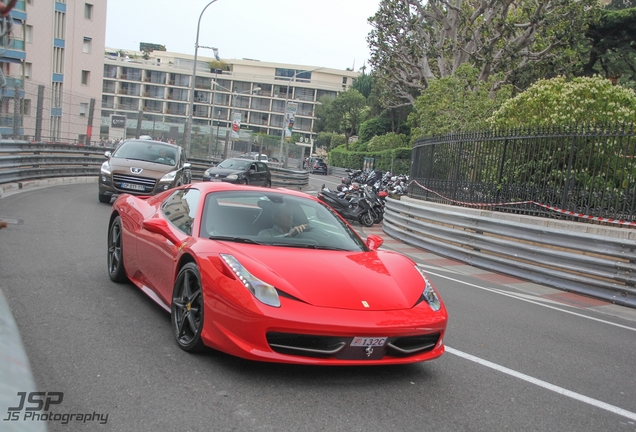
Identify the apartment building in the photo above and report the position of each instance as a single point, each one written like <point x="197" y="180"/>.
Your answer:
<point x="61" y="49"/>
<point x="153" y="93"/>
<point x="12" y="56"/>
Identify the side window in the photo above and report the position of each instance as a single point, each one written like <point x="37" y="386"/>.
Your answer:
<point x="181" y="209"/>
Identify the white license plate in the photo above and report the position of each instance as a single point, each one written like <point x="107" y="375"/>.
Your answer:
<point x="368" y="341"/>
<point x="216" y="180"/>
<point x="132" y="186"/>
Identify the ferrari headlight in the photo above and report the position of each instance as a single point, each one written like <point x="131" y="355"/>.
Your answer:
<point x="263" y="291"/>
<point x="168" y="177"/>
<point x="429" y="295"/>
<point x="105" y="168"/>
<point x="232" y="177"/>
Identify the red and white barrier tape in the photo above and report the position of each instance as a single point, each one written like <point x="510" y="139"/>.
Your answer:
<point x="555" y="209"/>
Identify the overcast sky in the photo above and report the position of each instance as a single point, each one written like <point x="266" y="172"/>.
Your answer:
<point x="327" y="33"/>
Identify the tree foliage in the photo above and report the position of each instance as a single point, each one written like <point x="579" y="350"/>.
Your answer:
<point x="373" y="127"/>
<point x="613" y="45"/>
<point x="414" y="42"/>
<point x="559" y="101"/>
<point x="387" y="141"/>
<point x="342" y="114"/>
<point x="456" y="103"/>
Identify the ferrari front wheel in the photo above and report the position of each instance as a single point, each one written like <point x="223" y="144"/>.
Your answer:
<point x="187" y="309"/>
<point x="116" y="269"/>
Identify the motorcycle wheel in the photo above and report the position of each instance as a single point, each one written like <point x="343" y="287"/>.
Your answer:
<point x="378" y="217"/>
<point x="367" y="219"/>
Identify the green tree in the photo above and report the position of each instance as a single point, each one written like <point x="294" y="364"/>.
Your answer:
<point x="456" y="103"/>
<point x="387" y="141"/>
<point x="373" y="127"/>
<point x="613" y="45"/>
<point x="342" y="114"/>
<point x="414" y="42"/>
<point x="560" y="102"/>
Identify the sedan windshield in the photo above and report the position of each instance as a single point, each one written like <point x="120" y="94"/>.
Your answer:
<point x="275" y="219"/>
<point x="237" y="164"/>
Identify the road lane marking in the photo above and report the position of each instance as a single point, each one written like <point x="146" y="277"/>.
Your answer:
<point x="546" y="385"/>
<point x="527" y="300"/>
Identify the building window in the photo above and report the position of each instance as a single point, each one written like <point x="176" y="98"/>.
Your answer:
<point x="88" y="11"/>
<point x="26" y="107"/>
<point x="27" y="70"/>
<point x="83" y="109"/>
<point x="28" y="34"/>
<point x="86" y="76"/>
<point x="29" y="2"/>
<point x="86" y="47"/>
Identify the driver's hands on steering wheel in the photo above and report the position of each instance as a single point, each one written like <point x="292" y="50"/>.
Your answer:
<point x="297" y="230"/>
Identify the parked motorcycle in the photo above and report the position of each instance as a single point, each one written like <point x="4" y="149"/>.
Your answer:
<point x="357" y="209"/>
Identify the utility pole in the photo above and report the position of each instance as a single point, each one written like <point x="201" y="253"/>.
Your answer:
<point x="38" y="114"/>
<point x="89" y="126"/>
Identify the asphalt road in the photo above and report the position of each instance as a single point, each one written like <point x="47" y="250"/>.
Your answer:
<point x="515" y="361"/>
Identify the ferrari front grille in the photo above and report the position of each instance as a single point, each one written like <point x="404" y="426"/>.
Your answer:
<point x="340" y="347"/>
<point x="306" y="345"/>
<point x="410" y="345"/>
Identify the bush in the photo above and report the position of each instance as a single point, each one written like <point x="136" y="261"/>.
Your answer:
<point x="387" y="141"/>
<point x="373" y="127"/>
<point x="560" y="102"/>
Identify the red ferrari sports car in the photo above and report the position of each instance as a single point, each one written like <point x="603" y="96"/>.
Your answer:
<point x="273" y="275"/>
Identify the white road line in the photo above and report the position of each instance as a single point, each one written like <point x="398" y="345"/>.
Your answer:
<point x="538" y="303"/>
<point x="560" y="390"/>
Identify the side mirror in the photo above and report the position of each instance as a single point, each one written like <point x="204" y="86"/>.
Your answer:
<point x="374" y="242"/>
<point x="160" y="226"/>
<point x="187" y="165"/>
<point x="107" y="154"/>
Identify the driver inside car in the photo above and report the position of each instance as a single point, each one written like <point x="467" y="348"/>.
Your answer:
<point x="163" y="158"/>
<point x="283" y="224"/>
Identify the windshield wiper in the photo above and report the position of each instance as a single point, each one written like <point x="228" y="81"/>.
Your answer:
<point x="234" y="239"/>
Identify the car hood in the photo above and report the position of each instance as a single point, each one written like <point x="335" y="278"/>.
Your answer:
<point x="149" y="169"/>
<point x="223" y="172"/>
<point x="377" y="280"/>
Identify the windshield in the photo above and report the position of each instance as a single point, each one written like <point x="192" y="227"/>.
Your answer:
<point x="146" y="151"/>
<point x="271" y="218"/>
<point x="237" y="164"/>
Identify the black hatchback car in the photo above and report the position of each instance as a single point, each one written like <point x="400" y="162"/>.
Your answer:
<point x="317" y="165"/>
<point x="240" y="171"/>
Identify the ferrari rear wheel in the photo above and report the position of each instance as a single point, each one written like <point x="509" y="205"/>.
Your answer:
<point x="187" y="309"/>
<point x="116" y="269"/>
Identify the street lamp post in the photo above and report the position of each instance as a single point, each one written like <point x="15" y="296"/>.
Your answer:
<point x="193" y="78"/>
<point x="282" y="135"/>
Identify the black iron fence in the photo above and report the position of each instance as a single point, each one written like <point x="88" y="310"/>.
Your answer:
<point x="578" y="173"/>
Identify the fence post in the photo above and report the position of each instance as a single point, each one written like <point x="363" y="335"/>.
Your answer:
<point x="89" y="126"/>
<point x="566" y="187"/>
<point x="501" y="167"/>
<point x="38" y="114"/>
<point x="139" y="120"/>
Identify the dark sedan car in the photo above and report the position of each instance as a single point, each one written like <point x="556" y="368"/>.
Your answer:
<point x="240" y="171"/>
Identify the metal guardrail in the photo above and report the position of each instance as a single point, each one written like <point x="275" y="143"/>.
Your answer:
<point x="15" y="373"/>
<point x="21" y="161"/>
<point x="577" y="260"/>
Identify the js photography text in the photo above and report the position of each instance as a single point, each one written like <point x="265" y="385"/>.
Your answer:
<point x="36" y="406"/>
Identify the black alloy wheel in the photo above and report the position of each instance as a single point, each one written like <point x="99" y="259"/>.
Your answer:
<point x="187" y="309"/>
<point x="268" y="183"/>
<point x="245" y="182"/>
<point x="116" y="269"/>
